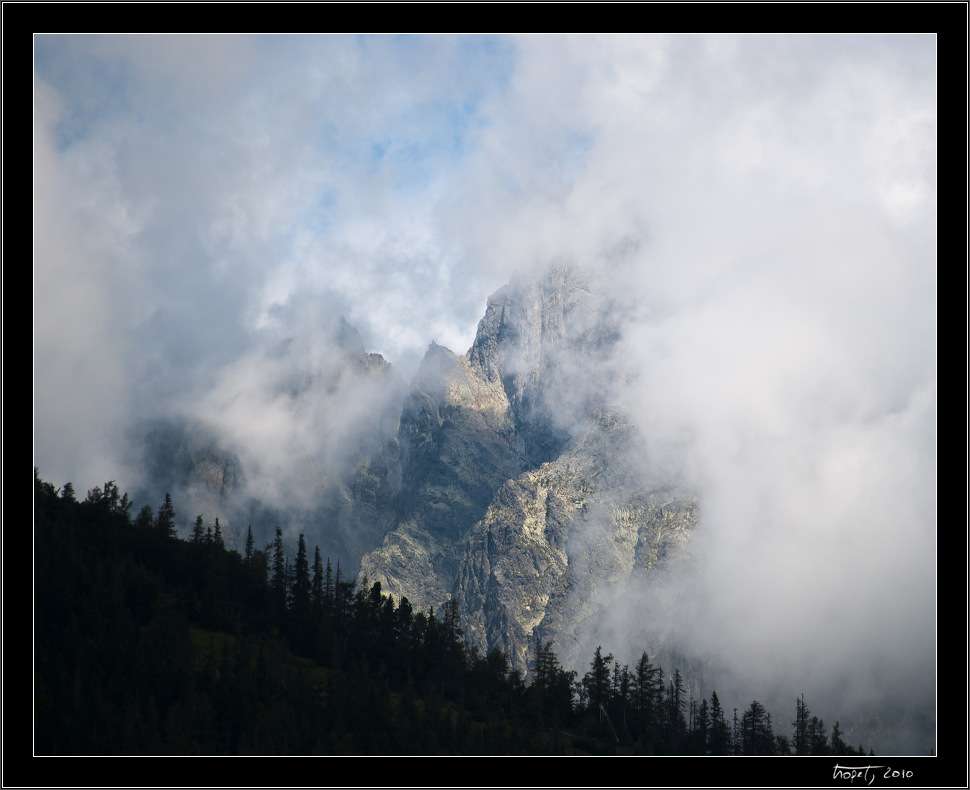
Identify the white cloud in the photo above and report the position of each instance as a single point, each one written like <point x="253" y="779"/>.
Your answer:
<point x="763" y="207"/>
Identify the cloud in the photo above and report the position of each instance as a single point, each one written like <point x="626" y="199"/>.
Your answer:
<point x="761" y="210"/>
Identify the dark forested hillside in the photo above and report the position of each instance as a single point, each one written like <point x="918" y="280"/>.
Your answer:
<point x="148" y="644"/>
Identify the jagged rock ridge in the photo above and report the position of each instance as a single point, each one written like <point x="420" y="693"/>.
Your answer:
<point x="517" y="497"/>
<point x="503" y="478"/>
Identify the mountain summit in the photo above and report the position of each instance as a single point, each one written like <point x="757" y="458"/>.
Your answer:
<point x="505" y="479"/>
<point x="516" y="497"/>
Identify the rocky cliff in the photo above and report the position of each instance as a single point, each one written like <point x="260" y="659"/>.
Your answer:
<point x="517" y="495"/>
<point x="504" y="478"/>
<point x="563" y="543"/>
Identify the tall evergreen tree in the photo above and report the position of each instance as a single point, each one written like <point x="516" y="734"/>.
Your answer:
<point x="756" y="735"/>
<point x="702" y="727"/>
<point x="250" y="547"/>
<point x="279" y="579"/>
<point x="124" y="507"/>
<point x="622" y="693"/>
<point x="451" y="621"/>
<point x="301" y="580"/>
<point x="818" y="741"/>
<point x="596" y="682"/>
<point x="646" y="697"/>
<point x="677" y="706"/>
<point x="837" y="745"/>
<point x="165" y="524"/>
<point x="317" y="593"/>
<point x="720" y="737"/>
<point x="145" y="520"/>
<point x="736" y="735"/>
<point x="552" y="689"/>
<point x="198" y="534"/>
<point x="328" y="588"/>
<point x="801" y="743"/>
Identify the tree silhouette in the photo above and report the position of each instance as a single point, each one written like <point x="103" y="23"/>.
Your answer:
<point x="165" y="524"/>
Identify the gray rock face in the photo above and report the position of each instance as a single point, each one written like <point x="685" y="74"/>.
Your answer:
<point x="517" y="496"/>
<point x="534" y="340"/>
<point x="472" y="423"/>
<point x="560" y="544"/>
<point x="502" y="478"/>
<point x="458" y="446"/>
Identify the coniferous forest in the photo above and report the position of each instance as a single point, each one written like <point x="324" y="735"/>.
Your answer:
<point x="149" y="644"/>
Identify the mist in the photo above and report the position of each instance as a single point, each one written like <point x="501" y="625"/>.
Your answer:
<point x="760" y="212"/>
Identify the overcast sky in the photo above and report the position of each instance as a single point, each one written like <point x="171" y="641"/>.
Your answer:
<point x="765" y="207"/>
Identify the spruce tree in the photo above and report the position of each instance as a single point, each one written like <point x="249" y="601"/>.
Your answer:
<point x="756" y="735"/>
<point x="645" y="679"/>
<point x="800" y="726"/>
<point x="124" y="507"/>
<point x="817" y="739"/>
<point x="250" y="548"/>
<point x="596" y="682"/>
<point x="197" y="533"/>
<point x="111" y="496"/>
<point x="702" y="727"/>
<point x="720" y="737"/>
<point x="145" y="520"/>
<point x="838" y="746"/>
<point x="677" y="702"/>
<point x="279" y="572"/>
<point x="301" y="580"/>
<point x="317" y="593"/>
<point x="328" y="588"/>
<point x="165" y="525"/>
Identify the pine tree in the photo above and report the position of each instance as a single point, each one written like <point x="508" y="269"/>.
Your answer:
<point x="317" y="593"/>
<point x="218" y="540"/>
<point x="596" y="682"/>
<point x="756" y="735"/>
<point x="124" y="507"/>
<point x="838" y="746"/>
<point x="165" y="525"/>
<point x="800" y="726"/>
<point x="279" y="572"/>
<point x="702" y="727"/>
<point x="328" y="588"/>
<point x="817" y="739"/>
<point x="301" y="581"/>
<point x="676" y="723"/>
<point x="720" y="737"/>
<point x="197" y="532"/>
<point x="145" y="520"/>
<point x="736" y="735"/>
<point x="645" y="695"/>
<point x="111" y="496"/>
<point x="451" y="621"/>
<point x="552" y="688"/>
<point x="622" y="693"/>
<point x="250" y="548"/>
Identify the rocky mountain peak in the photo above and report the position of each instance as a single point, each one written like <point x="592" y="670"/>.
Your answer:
<point x="516" y="489"/>
<point x="536" y="339"/>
